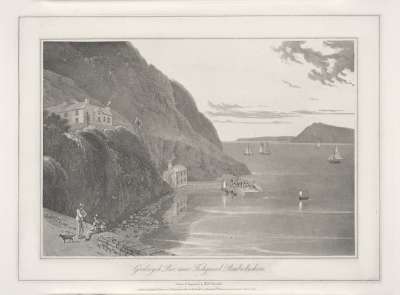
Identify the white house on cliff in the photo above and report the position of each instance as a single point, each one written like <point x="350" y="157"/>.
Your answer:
<point x="83" y="114"/>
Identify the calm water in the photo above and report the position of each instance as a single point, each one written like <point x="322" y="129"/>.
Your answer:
<point x="269" y="222"/>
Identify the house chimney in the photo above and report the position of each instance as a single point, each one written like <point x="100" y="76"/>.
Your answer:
<point x="107" y="107"/>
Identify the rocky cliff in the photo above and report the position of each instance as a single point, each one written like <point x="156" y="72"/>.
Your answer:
<point x="173" y="128"/>
<point x="109" y="171"/>
<point x="319" y="132"/>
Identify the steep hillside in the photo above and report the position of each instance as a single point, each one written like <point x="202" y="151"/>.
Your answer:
<point x="319" y="132"/>
<point x="173" y="128"/>
<point x="109" y="171"/>
<point x="184" y="102"/>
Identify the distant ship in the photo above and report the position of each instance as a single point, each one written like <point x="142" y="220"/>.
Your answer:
<point x="248" y="151"/>
<point x="318" y="145"/>
<point x="336" y="157"/>
<point x="264" y="149"/>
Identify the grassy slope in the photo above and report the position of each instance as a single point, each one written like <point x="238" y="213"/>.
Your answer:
<point x="55" y="223"/>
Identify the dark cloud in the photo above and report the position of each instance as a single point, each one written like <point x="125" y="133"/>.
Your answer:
<point x="290" y="84"/>
<point x="331" y="68"/>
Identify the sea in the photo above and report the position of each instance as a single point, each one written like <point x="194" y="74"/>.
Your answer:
<point x="270" y="223"/>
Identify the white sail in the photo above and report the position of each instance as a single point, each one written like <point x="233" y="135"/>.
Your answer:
<point x="261" y="149"/>
<point x="248" y="151"/>
<point x="267" y="150"/>
<point x="264" y="148"/>
<point x="337" y="154"/>
<point x="336" y="157"/>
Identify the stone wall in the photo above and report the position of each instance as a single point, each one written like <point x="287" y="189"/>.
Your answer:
<point x="116" y="247"/>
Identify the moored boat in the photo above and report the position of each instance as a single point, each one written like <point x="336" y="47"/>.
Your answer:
<point x="264" y="149"/>
<point x="336" y="157"/>
<point x="239" y="185"/>
<point x="248" y="151"/>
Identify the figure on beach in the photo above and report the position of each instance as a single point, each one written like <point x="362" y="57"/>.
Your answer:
<point x="80" y="216"/>
<point x="95" y="228"/>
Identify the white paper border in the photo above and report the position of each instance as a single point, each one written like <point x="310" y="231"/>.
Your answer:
<point x="364" y="28"/>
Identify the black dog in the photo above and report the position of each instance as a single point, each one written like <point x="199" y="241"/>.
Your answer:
<point x="66" y="237"/>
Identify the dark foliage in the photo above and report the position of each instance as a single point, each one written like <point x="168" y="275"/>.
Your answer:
<point x="53" y="131"/>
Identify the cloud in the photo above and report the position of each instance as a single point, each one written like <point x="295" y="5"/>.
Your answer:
<point x="235" y="111"/>
<point x="239" y="111"/>
<point x="250" y="114"/>
<point x="330" y="68"/>
<point x="224" y="106"/>
<point x="331" y="110"/>
<point x="275" y="122"/>
<point x="290" y="84"/>
<point x="322" y="112"/>
<point x="313" y="98"/>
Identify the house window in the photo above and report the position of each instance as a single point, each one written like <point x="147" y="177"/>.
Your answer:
<point x="109" y="120"/>
<point x="98" y="119"/>
<point x="104" y="118"/>
<point x="65" y="115"/>
<point x="77" y="112"/>
<point x="76" y="120"/>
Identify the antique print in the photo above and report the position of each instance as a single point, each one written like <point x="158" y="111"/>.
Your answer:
<point x="199" y="147"/>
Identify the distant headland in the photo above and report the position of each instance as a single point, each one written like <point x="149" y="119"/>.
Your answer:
<point x="316" y="132"/>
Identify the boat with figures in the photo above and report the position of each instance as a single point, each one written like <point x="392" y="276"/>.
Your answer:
<point x="264" y="149"/>
<point x="248" y="151"/>
<point x="237" y="185"/>
<point x="336" y="157"/>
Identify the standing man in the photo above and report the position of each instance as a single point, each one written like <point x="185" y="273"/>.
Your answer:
<point x="80" y="215"/>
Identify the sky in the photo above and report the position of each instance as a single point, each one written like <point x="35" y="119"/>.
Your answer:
<point x="250" y="88"/>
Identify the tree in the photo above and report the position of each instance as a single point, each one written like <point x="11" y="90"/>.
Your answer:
<point x="54" y="128"/>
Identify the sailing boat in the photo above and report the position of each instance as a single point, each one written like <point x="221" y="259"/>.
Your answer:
<point x="336" y="157"/>
<point x="248" y="151"/>
<point x="264" y="149"/>
<point x="318" y="145"/>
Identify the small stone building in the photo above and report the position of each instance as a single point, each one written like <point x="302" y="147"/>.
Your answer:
<point x="83" y="114"/>
<point x="175" y="175"/>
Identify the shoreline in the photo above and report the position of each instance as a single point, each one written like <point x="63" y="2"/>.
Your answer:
<point x="116" y="241"/>
<point x="258" y="223"/>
